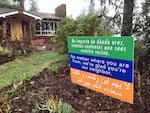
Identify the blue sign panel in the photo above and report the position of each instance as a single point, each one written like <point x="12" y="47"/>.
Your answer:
<point x="113" y="68"/>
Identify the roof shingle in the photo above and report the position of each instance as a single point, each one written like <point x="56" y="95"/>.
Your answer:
<point x="45" y="15"/>
<point x="39" y="14"/>
<point x="6" y="10"/>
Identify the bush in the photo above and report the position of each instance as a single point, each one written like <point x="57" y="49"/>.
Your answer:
<point x="89" y="25"/>
<point x="53" y="105"/>
<point x="6" y="51"/>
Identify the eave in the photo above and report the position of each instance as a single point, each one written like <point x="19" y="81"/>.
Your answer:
<point x="4" y="15"/>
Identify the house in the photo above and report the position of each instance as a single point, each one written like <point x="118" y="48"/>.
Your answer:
<point x="27" y="26"/>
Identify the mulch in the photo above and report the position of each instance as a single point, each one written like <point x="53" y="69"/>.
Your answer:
<point x="58" y="85"/>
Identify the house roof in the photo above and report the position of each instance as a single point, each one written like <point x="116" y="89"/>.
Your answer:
<point x="46" y="15"/>
<point x="37" y="15"/>
<point x="4" y="12"/>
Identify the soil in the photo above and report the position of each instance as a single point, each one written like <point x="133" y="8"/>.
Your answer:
<point x="45" y="85"/>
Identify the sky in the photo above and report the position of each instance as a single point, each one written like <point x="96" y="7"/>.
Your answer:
<point x="74" y="7"/>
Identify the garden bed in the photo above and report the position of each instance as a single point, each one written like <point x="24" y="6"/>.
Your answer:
<point x="58" y="85"/>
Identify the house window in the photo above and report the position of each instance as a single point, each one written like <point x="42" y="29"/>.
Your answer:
<point x="46" y="28"/>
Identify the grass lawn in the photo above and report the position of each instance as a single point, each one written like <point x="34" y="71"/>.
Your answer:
<point x="25" y="68"/>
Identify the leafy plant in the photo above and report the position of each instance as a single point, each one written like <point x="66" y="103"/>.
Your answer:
<point x="14" y="89"/>
<point x="53" y="69"/>
<point x="54" y="106"/>
<point x="64" y="107"/>
<point x="4" y="106"/>
<point x="45" y="106"/>
<point x="18" y="53"/>
<point x="6" y="51"/>
<point x="50" y="105"/>
<point x="53" y="40"/>
<point x="89" y="25"/>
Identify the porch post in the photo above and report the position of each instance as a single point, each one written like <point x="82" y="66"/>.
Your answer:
<point x="53" y="27"/>
<point x="32" y="29"/>
<point x="4" y="25"/>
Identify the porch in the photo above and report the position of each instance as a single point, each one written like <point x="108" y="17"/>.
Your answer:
<point x="16" y="26"/>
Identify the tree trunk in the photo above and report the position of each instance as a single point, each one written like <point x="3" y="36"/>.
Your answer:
<point x="127" y="18"/>
<point x="22" y="4"/>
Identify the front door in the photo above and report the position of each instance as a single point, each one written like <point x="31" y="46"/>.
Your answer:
<point x="16" y="29"/>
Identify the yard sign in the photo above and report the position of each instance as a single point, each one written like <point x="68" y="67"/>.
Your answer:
<point x="103" y="64"/>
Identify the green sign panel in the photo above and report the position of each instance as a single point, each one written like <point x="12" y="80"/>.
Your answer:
<point x="110" y="47"/>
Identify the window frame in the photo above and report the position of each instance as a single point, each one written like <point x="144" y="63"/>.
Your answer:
<point x="46" y="27"/>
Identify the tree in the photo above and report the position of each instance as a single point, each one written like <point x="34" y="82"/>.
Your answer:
<point x="20" y="3"/>
<point x="113" y="18"/>
<point x="4" y="3"/>
<point x="83" y="26"/>
<point x="127" y="18"/>
<point x="17" y="4"/>
<point x="139" y="53"/>
<point x="83" y="13"/>
<point x="92" y="7"/>
<point x="146" y="30"/>
<point x="33" y="5"/>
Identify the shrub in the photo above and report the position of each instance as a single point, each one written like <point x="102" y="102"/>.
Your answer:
<point x="6" y="51"/>
<point x="53" y="105"/>
<point x="89" y="25"/>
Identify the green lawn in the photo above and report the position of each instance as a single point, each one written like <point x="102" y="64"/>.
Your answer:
<point x="21" y="69"/>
